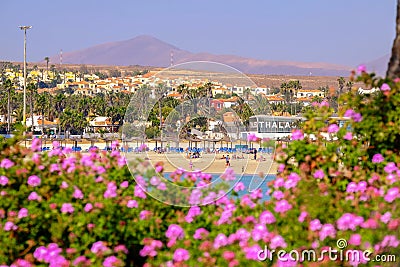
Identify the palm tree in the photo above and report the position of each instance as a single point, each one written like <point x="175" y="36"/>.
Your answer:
<point x="393" y="70"/>
<point x="246" y="94"/>
<point x="47" y="59"/>
<point x="32" y="92"/>
<point x="8" y="86"/>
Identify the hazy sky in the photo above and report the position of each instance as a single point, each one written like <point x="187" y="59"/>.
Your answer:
<point x="345" y="32"/>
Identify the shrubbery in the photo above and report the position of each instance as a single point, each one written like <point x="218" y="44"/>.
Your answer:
<point x="72" y="209"/>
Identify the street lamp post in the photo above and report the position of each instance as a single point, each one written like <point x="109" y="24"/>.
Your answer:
<point x="24" y="28"/>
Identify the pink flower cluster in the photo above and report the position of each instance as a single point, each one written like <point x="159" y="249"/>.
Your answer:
<point x="174" y="233"/>
<point x="51" y="255"/>
<point x="150" y="247"/>
<point x="349" y="221"/>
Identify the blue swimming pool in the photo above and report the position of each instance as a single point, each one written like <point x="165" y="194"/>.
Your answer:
<point x="250" y="182"/>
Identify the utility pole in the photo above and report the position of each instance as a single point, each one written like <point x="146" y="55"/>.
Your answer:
<point x="24" y="28"/>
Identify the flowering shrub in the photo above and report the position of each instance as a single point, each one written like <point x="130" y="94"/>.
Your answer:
<point x="71" y="209"/>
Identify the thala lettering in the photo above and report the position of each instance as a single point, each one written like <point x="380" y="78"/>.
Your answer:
<point x="274" y="124"/>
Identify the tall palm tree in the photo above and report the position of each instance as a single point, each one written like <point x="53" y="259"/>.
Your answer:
<point x="47" y="59"/>
<point x="32" y="92"/>
<point x="8" y="86"/>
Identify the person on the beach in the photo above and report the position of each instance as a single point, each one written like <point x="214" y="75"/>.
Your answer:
<point x="191" y="165"/>
<point x="255" y="154"/>
<point x="227" y="161"/>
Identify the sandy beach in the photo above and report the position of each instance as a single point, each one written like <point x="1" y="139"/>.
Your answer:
<point x="209" y="163"/>
<point x="241" y="163"/>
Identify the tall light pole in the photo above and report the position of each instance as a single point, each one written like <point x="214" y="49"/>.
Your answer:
<point x="24" y="28"/>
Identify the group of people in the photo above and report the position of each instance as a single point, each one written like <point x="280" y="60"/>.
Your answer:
<point x="194" y="155"/>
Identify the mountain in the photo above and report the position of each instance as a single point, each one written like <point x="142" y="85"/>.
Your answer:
<point x="146" y="50"/>
<point x="379" y="65"/>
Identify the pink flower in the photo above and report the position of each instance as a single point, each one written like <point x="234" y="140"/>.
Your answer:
<point x="144" y="214"/>
<point x="193" y="212"/>
<point x="390" y="167"/>
<point x="327" y="230"/>
<point x="154" y="180"/>
<point x="348" y="136"/>
<point x="139" y="192"/>
<point x="159" y="168"/>
<point x="351" y="187"/>
<point x="333" y="128"/>
<point x="279" y="182"/>
<point x="142" y="147"/>
<point x="88" y="207"/>
<point x="361" y="68"/>
<point x="21" y="263"/>
<point x="319" y="174"/>
<point x="175" y="232"/>
<point x="281" y="167"/>
<point x="259" y="232"/>
<point x="111" y="261"/>
<point x="355" y="240"/>
<point x="277" y="194"/>
<point x="266" y="217"/>
<point x="36" y="144"/>
<point x="357" y="117"/>
<point x="162" y="187"/>
<point x="302" y="216"/>
<point x="220" y="241"/>
<point x="377" y="158"/>
<point x="277" y="241"/>
<point x="81" y="260"/>
<point x="181" y="254"/>
<point x="385" y="218"/>
<point x="228" y="255"/>
<point x="392" y="194"/>
<point x="390" y="241"/>
<point x="385" y="87"/>
<point x="252" y="252"/>
<point x="315" y="225"/>
<point x="362" y="186"/>
<point x="349" y="113"/>
<point x="297" y="135"/>
<point x="22" y="213"/>
<point x="98" y="247"/>
<point x="252" y="137"/>
<point x="132" y="204"/>
<point x="3" y="180"/>
<point x="34" y="180"/>
<point x="6" y="164"/>
<point x="67" y="208"/>
<point x="349" y="221"/>
<point x="124" y="184"/>
<point x="239" y="187"/>
<point x="111" y="190"/>
<point x="33" y="196"/>
<point x="200" y="233"/>
<point x="323" y="104"/>
<point x="282" y="206"/>
<point x="8" y="226"/>
<point x="77" y="193"/>
<point x="121" y="248"/>
<point x="64" y="185"/>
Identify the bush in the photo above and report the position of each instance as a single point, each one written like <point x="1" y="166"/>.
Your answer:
<point x="63" y="209"/>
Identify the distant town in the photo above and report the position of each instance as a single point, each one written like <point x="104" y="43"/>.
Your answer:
<point x="82" y="100"/>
